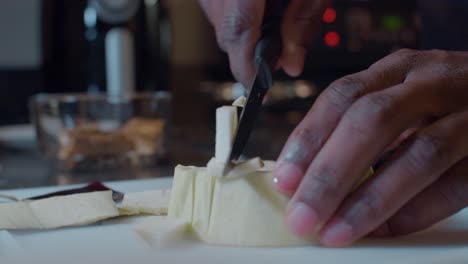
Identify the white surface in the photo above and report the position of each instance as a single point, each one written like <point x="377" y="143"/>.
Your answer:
<point x="226" y="127"/>
<point x="8" y="244"/>
<point x="17" y="132"/>
<point x="116" y="242"/>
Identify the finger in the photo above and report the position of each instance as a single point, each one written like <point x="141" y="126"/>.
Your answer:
<point x="365" y="131"/>
<point x="414" y="167"/>
<point x="371" y="124"/>
<point x="409" y="132"/>
<point x="237" y="26"/>
<point x="310" y="135"/>
<point x="443" y="198"/>
<point x="213" y="9"/>
<point x="301" y="21"/>
<point x="237" y="33"/>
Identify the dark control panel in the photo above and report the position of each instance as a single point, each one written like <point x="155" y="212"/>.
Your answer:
<point x="355" y="34"/>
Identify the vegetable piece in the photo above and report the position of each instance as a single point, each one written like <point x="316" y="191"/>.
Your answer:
<point x="18" y="215"/>
<point x="59" y="211"/>
<point x="161" y="230"/>
<point x="182" y="205"/>
<point x="240" y="102"/>
<point x="226" y="125"/>
<point x="239" y="211"/>
<point x="242" y="209"/>
<point x="153" y="202"/>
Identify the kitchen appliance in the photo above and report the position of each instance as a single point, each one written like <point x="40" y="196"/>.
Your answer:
<point x="356" y="33"/>
<point x="58" y="46"/>
<point x="121" y="37"/>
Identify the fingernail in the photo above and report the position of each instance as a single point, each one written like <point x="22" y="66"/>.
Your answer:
<point x="287" y="177"/>
<point x="338" y="234"/>
<point x="294" y="59"/>
<point x="302" y="220"/>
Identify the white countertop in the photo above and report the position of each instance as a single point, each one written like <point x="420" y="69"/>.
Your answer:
<point x="114" y="241"/>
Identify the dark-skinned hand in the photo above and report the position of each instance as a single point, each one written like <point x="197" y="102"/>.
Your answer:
<point x="414" y="103"/>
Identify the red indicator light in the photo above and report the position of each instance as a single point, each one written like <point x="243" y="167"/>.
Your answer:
<point x="329" y="16"/>
<point x="332" y="39"/>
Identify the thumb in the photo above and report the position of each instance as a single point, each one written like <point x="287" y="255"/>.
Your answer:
<point x="300" y="24"/>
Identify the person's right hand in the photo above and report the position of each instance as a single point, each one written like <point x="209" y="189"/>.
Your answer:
<point x="238" y="22"/>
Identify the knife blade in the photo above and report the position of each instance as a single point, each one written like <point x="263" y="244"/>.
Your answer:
<point x="267" y="52"/>
<point x="95" y="186"/>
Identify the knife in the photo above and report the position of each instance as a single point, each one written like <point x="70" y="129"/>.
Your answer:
<point x="95" y="186"/>
<point x="267" y="52"/>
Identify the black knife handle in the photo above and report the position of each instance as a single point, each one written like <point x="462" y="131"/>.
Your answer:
<point x="268" y="48"/>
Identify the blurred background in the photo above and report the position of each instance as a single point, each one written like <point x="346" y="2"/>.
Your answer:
<point x="168" y="47"/>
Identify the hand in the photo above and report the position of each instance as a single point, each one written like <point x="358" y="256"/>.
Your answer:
<point x="237" y="24"/>
<point x="415" y="102"/>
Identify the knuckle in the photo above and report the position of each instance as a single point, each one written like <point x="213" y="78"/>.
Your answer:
<point x="371" y="206"/>
<point x="322" y="185"/>
<point x="404" y="51"/>
<point x="445" y="70"/>
<point x="346" y="90"/>
<point x="302" y="145"/>
<point x="454" y="186"/>
<point x="326" y="178"/>
<point x="439" y="54"/>
<point x="431" y="146"/>
<point x="404" y="60"/>
<point x="234" y="28"/>
<point x="373" y="110"/>
<point x="455" y="193"/>
<point x="439" y="61"/>
<point x="408" y="58"/>
<point x="427" y="149"/>
<point x="444" y="65"/>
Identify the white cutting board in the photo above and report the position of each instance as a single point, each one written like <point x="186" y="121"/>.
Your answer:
<point x="115" y="242"/>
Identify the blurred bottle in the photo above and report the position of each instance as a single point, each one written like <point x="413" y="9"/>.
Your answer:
<point x="74" y="44"/>
<point x="123" y="43"/>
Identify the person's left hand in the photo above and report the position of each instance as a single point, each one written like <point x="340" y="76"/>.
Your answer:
<point x="414" y="102"/>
